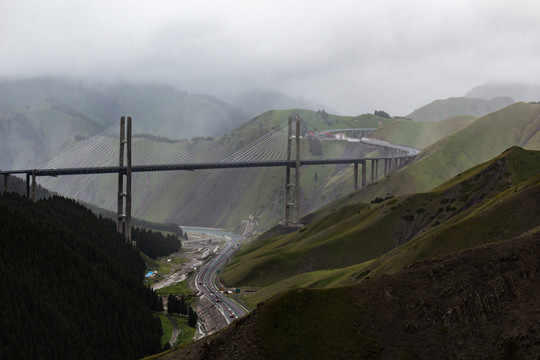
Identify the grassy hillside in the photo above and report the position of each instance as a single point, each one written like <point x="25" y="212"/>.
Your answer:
<point x="490" y="202"/>
<point x="444" y="109"/>
<point x="476" y="304"/>
<point x="487" y="209"/>
<point x="421" y="134"/>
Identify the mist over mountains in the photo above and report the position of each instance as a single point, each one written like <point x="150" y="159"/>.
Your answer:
<point x="456" y="106"/>
<point x="40" y="117"/>
<point x="256" y="102"/>
<point x="516" y="91"/>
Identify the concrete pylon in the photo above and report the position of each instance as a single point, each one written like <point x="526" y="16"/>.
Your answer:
<point x="297" y="176"/>
<point x="6" y="183"/>
<point x="124" y="198"/>
<point x="363" y="174"/>
<point x="289" y="202"/>
<point x="355" y="170"/>
<point x="288" y="184"/>
<point x="31" y="187"/>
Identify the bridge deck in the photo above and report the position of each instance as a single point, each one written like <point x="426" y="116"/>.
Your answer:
<point x="192" y="166"/>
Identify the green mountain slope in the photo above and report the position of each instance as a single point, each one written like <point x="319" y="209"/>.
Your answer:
<point x="444" y="109"/>
<point x="421" y="134"/>
<point x="490" y="202"/>
<point x="488" y="209"/>
<point x="476" y="304"/>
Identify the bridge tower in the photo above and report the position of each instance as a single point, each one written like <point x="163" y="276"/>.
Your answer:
<point x="292" y="203"/>
<point x="124" y="198"/>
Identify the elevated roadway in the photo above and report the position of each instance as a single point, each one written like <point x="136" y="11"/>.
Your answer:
<point x="193" y="166"/>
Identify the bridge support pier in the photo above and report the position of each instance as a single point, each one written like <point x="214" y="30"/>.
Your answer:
<point x="363" y="179"/>
<point x="355" y="176"/>
<point x="124" y="198"/>
<point x="363" y="174"/>
<point x="297" y="176"/>
<point x="6" y="183"/>
<point x="33" y="186"/>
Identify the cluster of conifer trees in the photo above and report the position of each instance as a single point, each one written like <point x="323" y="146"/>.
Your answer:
<point x="72" y="288"/>
<point x="154" y="243"/>
<point x="178" y="305"/>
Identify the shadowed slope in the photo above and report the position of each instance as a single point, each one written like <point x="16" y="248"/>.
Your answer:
<point x="476" y="304"/>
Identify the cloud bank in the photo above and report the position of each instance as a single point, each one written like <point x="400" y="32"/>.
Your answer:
<point x="353" y="56"/>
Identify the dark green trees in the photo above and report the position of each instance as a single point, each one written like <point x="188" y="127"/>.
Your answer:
<point x="155" y="244"/>
<point x="192" y="317"/>
<point x="71" y="288"/>
<point x="178" y="305"/>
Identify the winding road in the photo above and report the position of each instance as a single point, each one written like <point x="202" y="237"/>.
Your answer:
<point x="205" y="280"/>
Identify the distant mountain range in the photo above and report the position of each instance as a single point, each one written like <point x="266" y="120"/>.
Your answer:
<point x="481" y="100"/>
<point x="516" y="91"/>
<point x="256" y="102"/>
<point x="40" y="117"/>
<point x="444" y="109"/>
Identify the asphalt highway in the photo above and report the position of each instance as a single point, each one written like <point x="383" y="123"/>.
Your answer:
<point x="205" y="279"/>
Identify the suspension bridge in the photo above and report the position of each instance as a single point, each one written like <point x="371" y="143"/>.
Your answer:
<point x="282" y="146"/>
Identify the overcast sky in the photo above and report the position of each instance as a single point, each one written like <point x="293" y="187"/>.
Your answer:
<point x="354" y="56"/>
